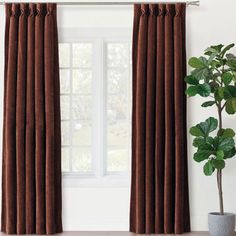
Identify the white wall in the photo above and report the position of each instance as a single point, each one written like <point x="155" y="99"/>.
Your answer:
<point x="108" y="208"/>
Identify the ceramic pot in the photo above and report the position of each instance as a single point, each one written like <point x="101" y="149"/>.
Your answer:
<point x="221" y="225"/>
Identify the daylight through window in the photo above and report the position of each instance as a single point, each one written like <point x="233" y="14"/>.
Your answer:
<point x="95" y="77"/>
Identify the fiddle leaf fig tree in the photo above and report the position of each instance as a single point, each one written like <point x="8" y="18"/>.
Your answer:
<point x="214" y="78"/>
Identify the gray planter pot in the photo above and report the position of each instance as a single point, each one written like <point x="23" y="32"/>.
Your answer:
<point x="221" y="225"/>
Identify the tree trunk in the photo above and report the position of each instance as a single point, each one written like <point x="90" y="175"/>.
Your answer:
<point x="219" y="183"/>
<point x="219" y="172"/>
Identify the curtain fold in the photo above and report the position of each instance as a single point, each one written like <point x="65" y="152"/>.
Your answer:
<point x="159" y="186"/>
<point x="31" y="181"/>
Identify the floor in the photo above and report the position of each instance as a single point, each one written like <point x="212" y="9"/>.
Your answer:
<point x="128" y="234"/>
<point x="120" y="234"/>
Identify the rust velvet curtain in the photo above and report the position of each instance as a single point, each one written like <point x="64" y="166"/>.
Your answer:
<point x="31" y="181"/>
<point x="159" y="188"/>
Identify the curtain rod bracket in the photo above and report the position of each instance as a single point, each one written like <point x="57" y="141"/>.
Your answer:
<point x="193" y="3"/>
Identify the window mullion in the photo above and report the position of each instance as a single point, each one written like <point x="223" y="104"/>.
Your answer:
<point x="97" y="118"/>
<point x="70" y="102"/>
<point x="101" y="105"/>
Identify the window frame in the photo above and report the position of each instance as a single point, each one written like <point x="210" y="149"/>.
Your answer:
<point x="98" y="37"/>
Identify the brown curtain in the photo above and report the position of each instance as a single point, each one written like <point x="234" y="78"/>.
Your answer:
<point x="31" y="181"/>
<point x="159" y="189"/>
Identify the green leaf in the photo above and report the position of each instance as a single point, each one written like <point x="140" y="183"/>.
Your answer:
<point x="227" y="48"/>
<point x="201" y="155"/>
<point x="204" y="90"/>
<point x="201" y="73"/>
<point x="215" y="64"/>
<point x="209" y="140"/>
<point x="195" y="131"/>
<point x="230" y="153"/>
<point x="219" y="94"/>
<point x="208" y="104"/>
<point x="232" y="90"/>
<point x="234" y="74"/>
<point x="211" y="58"/>
<point x="208" y="168"/>
<point x="204" y="128"/>
<point x="228" y="133"/>
<point x="230" y="106"/>
<point x="227" y="78"/>
<point x="224" y="144"/>
<point x="220" y="155"/>
<point x="203" y="60"/>
<point x="209" y="51"/>
<point x="208" y="126"/>
<point x="196" y="62"/>
<point x="198" y="141"/>
<point x="190" y="79"/>
<point x="218" y="47"/>
<point x="229" y="92"/>
<point x="231" y="56"/>
<point x="205" y="146"/>
<point x="220" y="132"/>
<point x="192" y="91"/>
<point x="218" y="164"/>
<point x="231" y="61"/>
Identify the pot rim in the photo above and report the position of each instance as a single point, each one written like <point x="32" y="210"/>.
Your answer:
<point x="217" y="214"/>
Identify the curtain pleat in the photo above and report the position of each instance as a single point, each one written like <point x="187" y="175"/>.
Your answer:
<point x="20" y="118"/>
<point x="30" y="124"/>
<point x="31" y="187"/>
<point x="159" y="188"/>
<point x="160" y="123"/>
<point x="40" y="135"/>
<point x="169" y="166"/>
<point x="150" y="119"/>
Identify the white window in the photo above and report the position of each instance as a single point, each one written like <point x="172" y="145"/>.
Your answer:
<point x="95" y="77"/>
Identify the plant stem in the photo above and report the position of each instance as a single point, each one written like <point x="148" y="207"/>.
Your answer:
<point x="219" y="171"/>
<point x="219" y="180"/>
<point x="220" y="115"/>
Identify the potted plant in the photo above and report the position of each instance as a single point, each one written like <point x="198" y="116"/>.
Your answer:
<point x="214" y="77"/>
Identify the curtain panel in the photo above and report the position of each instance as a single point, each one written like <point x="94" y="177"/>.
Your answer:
<point x="159" y="188"/>
<point x="31" y="170"/>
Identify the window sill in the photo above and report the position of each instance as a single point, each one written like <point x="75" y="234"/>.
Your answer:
<point x="91" y="181"/>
